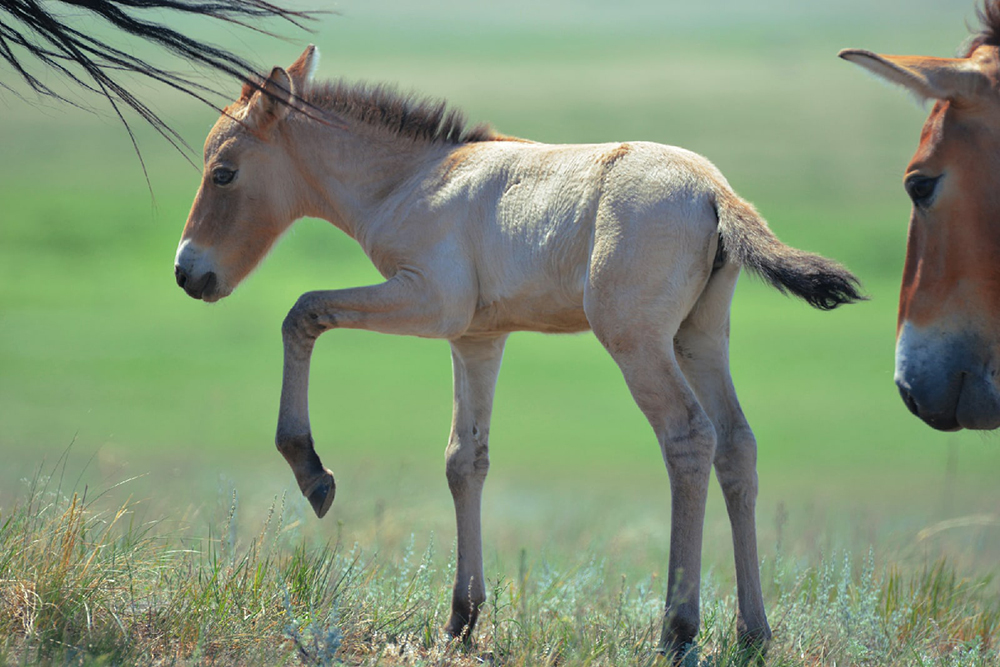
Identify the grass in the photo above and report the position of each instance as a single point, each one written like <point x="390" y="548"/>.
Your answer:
<point x="880" y="537"/>
<point x="85" y="582"/>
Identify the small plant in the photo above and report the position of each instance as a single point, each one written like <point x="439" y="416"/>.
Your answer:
<point x="85" y="584"/>
<point x="317" y="643"/>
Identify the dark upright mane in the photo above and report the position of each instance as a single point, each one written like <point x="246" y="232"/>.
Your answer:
<point x="989" y="32"/>
<point x="405" y="115"/>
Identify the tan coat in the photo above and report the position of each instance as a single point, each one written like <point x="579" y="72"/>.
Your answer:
<point x="479" y="235"/>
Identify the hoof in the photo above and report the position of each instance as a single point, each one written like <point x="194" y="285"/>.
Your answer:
<point x="678" y="635"/>
<point x="678" y="642"/>
<point x="681" y="655"/>
<point x="753" y="645"/>
<point x="460" y="627"/>
<point x="459" y="632"/>
<point x="320" y="493"/>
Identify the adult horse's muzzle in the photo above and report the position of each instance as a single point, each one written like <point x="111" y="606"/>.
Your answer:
<point x="947" y="379"/>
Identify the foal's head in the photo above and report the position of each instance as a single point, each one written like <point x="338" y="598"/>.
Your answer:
<point x="948" y="331"/>
<point x="250" y="186"/>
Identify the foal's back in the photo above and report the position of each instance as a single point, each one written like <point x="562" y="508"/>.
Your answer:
<point x="532" y="214"/>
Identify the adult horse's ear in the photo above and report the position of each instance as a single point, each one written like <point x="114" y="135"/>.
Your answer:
<point x="271" y="102"/>
<point x="926" y="77"/>
<point x="302" y="70"/>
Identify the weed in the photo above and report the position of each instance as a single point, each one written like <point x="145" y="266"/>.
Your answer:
<point x="81" y="584"/>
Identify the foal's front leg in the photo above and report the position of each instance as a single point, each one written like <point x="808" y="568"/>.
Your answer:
<point x="397" y="306"/>
<point x="476" y="364"/>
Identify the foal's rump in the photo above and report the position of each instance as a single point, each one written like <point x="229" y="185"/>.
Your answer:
<point x="666" y="220"/>
<point x="629" y="232"/>
<point x="745" y="238"/>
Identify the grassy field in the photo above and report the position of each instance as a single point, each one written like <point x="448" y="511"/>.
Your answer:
<point x="99" y="348"/>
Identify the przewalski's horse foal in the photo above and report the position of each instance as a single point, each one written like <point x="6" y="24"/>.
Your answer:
<point x="479" y="235"/>
<point x="948" y="330"/>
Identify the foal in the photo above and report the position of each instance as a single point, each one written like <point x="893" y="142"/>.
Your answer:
<point x="479" y="235"/>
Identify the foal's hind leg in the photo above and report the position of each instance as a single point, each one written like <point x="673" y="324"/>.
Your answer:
<point x="643" y="350"/>
<point x="647" y="271"/>
<point x="702" y="347"/>
<point x="687" y="442"/>
<point x="475" y="363"/>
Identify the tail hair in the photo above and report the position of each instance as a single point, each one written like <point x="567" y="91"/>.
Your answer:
<point x="747" y="240"/>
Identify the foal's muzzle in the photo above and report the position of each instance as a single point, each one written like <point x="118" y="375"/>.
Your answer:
<point x="194" y="269"/>
<point x="198" y="288"/>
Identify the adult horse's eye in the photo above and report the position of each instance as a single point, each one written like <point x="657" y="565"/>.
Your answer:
<point x="921" y="189"/>
<point x="223" y="176"/>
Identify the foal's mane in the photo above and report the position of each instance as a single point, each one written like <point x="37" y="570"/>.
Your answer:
<point x="989" y="32"/>
<point x="405" y="115"/>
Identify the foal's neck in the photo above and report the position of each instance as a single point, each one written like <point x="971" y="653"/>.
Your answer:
<point x="350" y="174"/>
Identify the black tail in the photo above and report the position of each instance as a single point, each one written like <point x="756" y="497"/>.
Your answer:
<point x="747" y="240"/>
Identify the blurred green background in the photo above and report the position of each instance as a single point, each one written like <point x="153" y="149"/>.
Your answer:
<point x="99" y="348"/>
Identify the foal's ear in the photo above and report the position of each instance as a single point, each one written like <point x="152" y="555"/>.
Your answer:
<point x="271" y="102"/>
<point x="926" y="77"/>
<point x="302" y="70"/>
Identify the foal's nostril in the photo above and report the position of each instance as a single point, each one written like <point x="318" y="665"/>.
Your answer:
<point x="196" y="287"/>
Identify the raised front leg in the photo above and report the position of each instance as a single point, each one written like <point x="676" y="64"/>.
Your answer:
<point x="399" y="306"/>
<point x="476" y="363"/>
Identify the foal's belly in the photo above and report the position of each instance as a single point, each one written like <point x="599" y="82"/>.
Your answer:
<point x="545" y="316"/>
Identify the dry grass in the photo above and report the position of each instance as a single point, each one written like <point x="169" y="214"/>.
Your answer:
<point x="86" y="585"/>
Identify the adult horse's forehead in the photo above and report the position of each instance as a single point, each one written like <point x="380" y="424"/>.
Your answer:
<point x="987" y="60"/>
<point x="946" y="125"/>
<point x="958" y="137"/>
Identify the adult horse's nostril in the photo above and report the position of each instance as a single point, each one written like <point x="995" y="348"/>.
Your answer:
<point x="181" y="275"/>
<point x="911" y="402"/>
<point x="938" y="415"/>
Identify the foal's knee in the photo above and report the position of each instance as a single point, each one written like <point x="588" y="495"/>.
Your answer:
<point x="306" y="320"/>
<point x="467" y="458"/>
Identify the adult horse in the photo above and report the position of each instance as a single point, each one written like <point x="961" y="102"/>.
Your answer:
<point x="478" y="235"/>
<point x="948" y="329"/>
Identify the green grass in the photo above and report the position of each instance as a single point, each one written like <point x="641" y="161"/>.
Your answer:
<point x="99" y="347"/>
<point x="88" y="582"/>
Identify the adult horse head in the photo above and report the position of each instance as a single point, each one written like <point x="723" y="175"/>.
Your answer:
<point x="948" y="331"/>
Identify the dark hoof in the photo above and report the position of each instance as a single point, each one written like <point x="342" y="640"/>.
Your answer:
<point x="678" y="639"/>
<point x="753" y="645"/>
<point x="681" y="653"/>
<point x="321" y="492"/>
<point x="459" y="627"/>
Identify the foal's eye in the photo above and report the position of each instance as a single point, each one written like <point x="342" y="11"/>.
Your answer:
<point x="223" y="176"/>
<point x="921" y="189"/>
